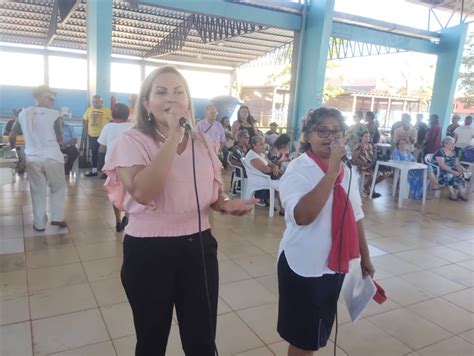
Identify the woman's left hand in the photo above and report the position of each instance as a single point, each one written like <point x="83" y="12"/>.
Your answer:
<point x="238" y="206"/>
<point x="367" y="267"/>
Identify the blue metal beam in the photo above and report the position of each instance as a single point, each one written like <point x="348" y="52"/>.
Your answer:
<point x="99" y="48"/>
<point x="239" y="12"/>
<point x="382" y="38"/>
<point x="447" y="72"/>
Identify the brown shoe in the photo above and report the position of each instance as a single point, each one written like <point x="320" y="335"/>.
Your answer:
<point x="61" y="224"/>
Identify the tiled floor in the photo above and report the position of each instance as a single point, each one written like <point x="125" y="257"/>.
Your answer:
<point x="60" y="291"/>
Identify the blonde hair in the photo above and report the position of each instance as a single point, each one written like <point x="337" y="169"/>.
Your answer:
<point x="143" y="124"/>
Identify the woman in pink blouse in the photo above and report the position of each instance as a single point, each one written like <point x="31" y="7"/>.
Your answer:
<point x="150" y="177"/>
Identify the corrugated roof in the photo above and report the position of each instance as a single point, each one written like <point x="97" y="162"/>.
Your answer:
<point x="136" y="31"/>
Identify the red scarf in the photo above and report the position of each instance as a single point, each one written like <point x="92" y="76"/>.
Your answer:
<point x="350" y="237"/>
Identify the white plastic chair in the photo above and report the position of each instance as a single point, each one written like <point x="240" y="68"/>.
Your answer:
<point x="362" y="181"/>
<point x="234" y="184"/>
<point x="259" y="181"/>
<point x="429" y="161"/>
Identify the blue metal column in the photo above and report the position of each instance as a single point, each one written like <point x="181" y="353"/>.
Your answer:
<point x="447" y="72"/>
<point x="313" y="54"/>
<point x="99" y="48"/>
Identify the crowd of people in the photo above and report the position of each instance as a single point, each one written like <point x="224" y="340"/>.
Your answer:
<point x="168" y="241"/>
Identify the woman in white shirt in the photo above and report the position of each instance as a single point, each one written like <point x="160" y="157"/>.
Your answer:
<point x="324" y="232"/>
<point x="259" y="164"/>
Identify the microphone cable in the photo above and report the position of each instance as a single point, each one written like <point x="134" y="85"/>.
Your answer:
<point x="340" y="253"/>
<point x="206" y="282"/>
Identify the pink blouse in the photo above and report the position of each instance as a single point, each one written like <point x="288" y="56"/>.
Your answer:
<point x="173" y="211"/>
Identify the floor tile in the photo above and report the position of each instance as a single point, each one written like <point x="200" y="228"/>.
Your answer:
<point x="261" y="351"/>
<point x="16" y="339"/>
<point x="403" y="292"/>
<point x="109" y="291"/>
<point x="422" y="258"/>
<point x="101" y="349"/>
<point x="49" y="230"/>
<point x="257" y="266"/>
<point x="125" y="346"/>
<point x="13" y="282"/>
<point x="281" y="349"/>
<point x="52" y="257"/>
<point x="395" y="265"/>
<point x="99" y="251"/>
<point x="263" y="321"/>
<point x="13" y="309"/>
<point x="447" y="253"/>
<point x="468" y="336"/>
<point x="469" y="264"/>
<point x="457" y="274"/>
<point x="58" y="276"/>
<point x="364" y="338"/>
<point x="229" y="271"/>
<point x="233" y="336"/>
<point x="245" y="294"/>
<point x="61" y="300"/>
<point x="44" y="242"/>
<point x="270" y="283"/>
<point x="409" y="328"/>
<point x="119" y="320"/>
<point x="432" y="282"/>
<point x="103" y="268"/>
<point x="11" y="246"/>
<point x="452" y="346"/>
<point x="68" y="331"/>
<point x="445" y="314"/>
<point x="12" y="262"/>
<point x="464" y="299"/>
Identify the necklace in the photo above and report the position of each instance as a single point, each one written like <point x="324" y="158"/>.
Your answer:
<point x="160" y="134"/>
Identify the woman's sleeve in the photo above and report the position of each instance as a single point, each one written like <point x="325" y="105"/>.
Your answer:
<point x="127" y="152"/>
<point x="293" y="186"/>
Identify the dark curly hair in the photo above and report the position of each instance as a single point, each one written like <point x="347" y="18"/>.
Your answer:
<point x="251" y="119"/>
<point x="313" y="119"/>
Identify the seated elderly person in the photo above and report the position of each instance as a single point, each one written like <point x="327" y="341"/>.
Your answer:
<point x="279" y="153"/>
<point x="259" y="164"/>
<point x="451" y="173"/>
<point x="237" y="152"/>
<point x="363" y="157"/>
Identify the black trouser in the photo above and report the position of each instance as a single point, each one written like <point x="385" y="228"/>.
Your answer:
<point x="72" y="154"/>
<point x="94" y="147"/>
<point x="160" y="272"/>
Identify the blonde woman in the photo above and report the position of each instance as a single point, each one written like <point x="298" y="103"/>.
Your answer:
<point x="151" y="178"/>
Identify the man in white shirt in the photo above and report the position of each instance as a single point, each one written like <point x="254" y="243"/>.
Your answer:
<point x="407" y="132"/>
<point x="41" y="129"/>
<point x="211" y="127"/>
<point x="464" y="134"/>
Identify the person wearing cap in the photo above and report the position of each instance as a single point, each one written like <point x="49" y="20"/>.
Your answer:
<point x="41" y="127"/>
<point x="454" y="125"/>
<point x="94" y="119"/>
<point x="272" y="134"/>
<point x="69" y="142"/>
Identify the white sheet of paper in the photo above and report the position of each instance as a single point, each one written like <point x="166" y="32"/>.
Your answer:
<point x="357" y="290"/>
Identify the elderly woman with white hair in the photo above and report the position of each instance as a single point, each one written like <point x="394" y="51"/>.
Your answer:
<point x="451" y="173"/>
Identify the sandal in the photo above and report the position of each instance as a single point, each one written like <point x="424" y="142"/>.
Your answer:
<point x="61" y="224"/>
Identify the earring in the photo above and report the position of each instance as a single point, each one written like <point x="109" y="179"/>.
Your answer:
<point x="149" y="116"/>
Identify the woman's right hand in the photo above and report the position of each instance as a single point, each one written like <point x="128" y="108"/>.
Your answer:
<point x="172" y="119"/>
<point x="335" y="159"/>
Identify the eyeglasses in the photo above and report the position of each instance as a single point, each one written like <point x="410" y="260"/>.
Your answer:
<point x="49" y="97"/>
<point x="324" y="132"/>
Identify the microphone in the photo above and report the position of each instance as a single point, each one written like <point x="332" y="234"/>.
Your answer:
<point x="185" y="124"/>
<point x="344" y="158"/>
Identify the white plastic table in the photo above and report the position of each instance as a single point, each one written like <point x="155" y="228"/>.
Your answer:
<point x="9" y="163"/>
<point x="403" y="167"/>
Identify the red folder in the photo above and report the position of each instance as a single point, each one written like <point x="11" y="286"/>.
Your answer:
<point x="379" y="296"/>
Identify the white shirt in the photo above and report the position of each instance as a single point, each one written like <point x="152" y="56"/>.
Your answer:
<point x="465" y="135"/>
<point x="271" y="137"/>
<point x="41" y="143"/>
<point x="249" y="168"/>
<point x="307" y="247"/>
<point x="110" y="133"/>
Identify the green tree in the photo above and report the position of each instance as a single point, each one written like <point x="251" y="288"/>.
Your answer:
<point x="467" y="72"/>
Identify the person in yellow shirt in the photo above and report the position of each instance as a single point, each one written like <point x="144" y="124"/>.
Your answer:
<point x="94" y="119"/>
